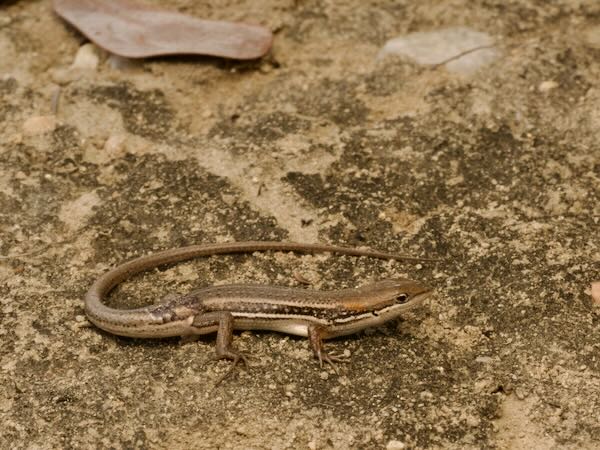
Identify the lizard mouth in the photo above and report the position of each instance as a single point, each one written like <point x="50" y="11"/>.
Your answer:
<point x="419" y="298"/>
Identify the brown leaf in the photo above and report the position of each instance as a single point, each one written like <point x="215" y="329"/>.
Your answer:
<point x="132" y="30"/>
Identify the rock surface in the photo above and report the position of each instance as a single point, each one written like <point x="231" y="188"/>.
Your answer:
<point x="461" y="50"/>
<point x="317" y="142"/>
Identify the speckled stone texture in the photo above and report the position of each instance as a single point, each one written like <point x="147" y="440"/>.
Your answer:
<point x="496" y="172"/>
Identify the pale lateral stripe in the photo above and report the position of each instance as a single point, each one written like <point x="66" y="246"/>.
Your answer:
<point x="218" y="301"/>
<point x="372" y="314"/>
<point x="381" y="313"/>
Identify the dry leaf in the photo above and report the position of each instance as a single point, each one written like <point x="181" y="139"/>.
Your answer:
<point x="132" y="30"/>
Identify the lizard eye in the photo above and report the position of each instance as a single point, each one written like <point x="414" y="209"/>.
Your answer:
<point x="401" y="298"/>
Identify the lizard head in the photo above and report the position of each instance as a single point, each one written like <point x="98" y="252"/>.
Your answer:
<point x="399" y="293"/>
<point x="377" y="303"/>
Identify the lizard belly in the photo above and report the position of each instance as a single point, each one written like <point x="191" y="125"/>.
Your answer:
<point x="296" y="325"/>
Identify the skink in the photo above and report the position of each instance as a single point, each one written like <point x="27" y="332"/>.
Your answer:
<point x="317" y="315"/>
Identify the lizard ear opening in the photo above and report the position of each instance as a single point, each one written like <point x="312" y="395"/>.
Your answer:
<point x="401" y="298"/>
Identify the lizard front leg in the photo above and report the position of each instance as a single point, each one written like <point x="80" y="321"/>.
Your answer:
<point x="316" y="334"/>
<point x="224" y="348"/>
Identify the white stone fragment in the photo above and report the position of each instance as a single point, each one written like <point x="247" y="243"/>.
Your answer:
<point x="546" y="86"/>
<point x="86" y="58"/>
<point x="395" y="445"/>
<point x="461" y="50"/>
<point x="115" y="146"/>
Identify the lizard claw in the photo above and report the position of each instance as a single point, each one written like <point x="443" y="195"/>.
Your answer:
<point x="234" y="356"/>
<point x="331" y="359"/>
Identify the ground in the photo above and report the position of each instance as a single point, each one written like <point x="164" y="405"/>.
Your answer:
<point x="495" y="172"/>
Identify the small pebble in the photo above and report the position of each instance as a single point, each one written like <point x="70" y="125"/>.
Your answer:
<point x="425" y="395"/>
<point x="520" y="393"/>
<point x="265" y="68"/>
<point x="115" y="146"/>
<point x="86" y="57"/>
<point x="36" y="125"/>
<point x="596" y="292"/>
<point x="16" y="138"/>
<point x="472" y="421"/>
<point x="64" y="76"/>
<point x="484" y="359"/>
<point x="546" y="86"/>
<point x="5" y="21"/>
<point x="395" y="445"/>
